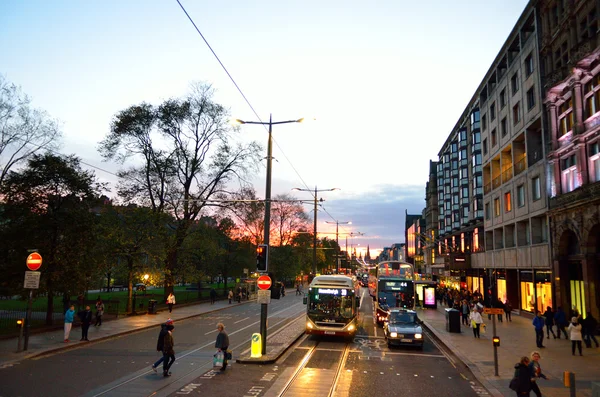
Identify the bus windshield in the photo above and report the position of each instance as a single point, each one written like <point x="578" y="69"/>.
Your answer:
<point x="395" y="293"/>
<point x="333" y="304"/>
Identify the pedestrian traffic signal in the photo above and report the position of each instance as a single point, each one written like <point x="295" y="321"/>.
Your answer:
<point x="20" y="323"/>
<point x="262" y="258"/>
<point x="496" y="340"/>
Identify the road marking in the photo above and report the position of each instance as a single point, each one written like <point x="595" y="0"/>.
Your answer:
<point x="244" y="319"/>
<point x="210" y="332"/>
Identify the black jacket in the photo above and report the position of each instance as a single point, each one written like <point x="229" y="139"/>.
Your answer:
<point x="549" y="314"/>
<point x="161" y="338"/>
<point x="523" y="374"/>
<point x="590" y="324"/>
<point x="222" y="341"/>
<point x="85" y="316"/>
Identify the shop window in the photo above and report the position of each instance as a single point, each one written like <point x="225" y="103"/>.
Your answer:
<point x="544" y="295"/>
<point x="501" y="290"/>
<point x="527" y="296"/>
<point x="578" y="296"/>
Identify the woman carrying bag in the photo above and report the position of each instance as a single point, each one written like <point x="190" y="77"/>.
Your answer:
<point x="521" y="382"/>
<point x="476" y="322"/>
<point x="222" y="344"/>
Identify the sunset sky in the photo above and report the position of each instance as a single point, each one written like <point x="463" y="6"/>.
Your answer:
<point x="384" y="80"/>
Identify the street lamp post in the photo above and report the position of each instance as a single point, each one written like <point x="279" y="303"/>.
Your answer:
<point x="316" y="191"/>
<point x="337" y="224"/>
<point x="263" y="306"/>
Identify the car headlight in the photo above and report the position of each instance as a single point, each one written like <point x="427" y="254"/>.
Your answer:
<point x="393" y="334"/>
<point x="309" y="325"/>
<point x="418" y="336"/>
<point x="351" y="327"/>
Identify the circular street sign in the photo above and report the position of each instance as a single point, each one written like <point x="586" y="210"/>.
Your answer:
<point x="264" y="282"/>
<point x="34" y="261"/>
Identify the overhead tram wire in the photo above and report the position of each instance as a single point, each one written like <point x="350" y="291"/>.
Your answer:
<point x="240" y="91"/>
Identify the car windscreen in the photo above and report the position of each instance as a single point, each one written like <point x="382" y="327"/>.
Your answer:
<point x="402" y="318"/>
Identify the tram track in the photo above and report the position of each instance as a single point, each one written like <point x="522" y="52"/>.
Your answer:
<point x="324" y="379"/>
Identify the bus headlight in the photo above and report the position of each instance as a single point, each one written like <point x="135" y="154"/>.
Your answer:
<point x="309" y="325"/>
<point x="418" y="336"/>
<point x="351" y="327"/>
<point x="393" y="334"/>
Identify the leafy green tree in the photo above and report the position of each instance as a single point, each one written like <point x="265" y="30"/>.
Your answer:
<point x="187" y="161"/>
<point x="49" y="206"/>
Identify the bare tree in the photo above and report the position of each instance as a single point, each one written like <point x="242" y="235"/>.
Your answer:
<point x="188" y="160"/>
<point x="23" y="130"/>
<point x="288" y="217"/>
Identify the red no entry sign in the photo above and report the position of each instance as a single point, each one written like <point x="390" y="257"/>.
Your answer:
<point x="264" y="282"/>
<point x="34" y="261"/>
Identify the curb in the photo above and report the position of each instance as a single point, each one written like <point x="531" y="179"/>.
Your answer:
<point x="101" y="339"/>
<point x="466" y="362"/>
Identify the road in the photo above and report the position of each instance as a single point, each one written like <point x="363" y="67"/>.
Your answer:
<point x="314" y="366"/>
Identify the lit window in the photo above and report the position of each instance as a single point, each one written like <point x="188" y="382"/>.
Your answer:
<point x="462" y="242"/>
<point x="565" y="118"/>
<point x="507" y="202"/>
<point x="476" y="240"/>
<point x="497" y="207"/>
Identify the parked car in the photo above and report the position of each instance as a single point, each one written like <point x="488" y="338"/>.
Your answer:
<point x="140" y="287"/>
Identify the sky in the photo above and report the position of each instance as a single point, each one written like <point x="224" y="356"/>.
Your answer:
<point x="382" y="82"/>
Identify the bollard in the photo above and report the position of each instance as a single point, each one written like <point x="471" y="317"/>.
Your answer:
<point x="569" y="381"/>
<point x="20" y="324"/>
<point x="256" y="347"/>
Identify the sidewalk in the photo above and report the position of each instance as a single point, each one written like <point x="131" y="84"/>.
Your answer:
<point x="517" y="339"/>
<point x="52" y="341"/>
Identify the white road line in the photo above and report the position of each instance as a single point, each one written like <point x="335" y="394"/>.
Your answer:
<point x="210" y="332"/>
<point x="244" y="319"/>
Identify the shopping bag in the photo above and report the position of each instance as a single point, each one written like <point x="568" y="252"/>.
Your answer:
<point x="218" y="359"/>
<point x="228" y="355"/>
<point x="483" y="328"/>
<point x="473" y="324"/>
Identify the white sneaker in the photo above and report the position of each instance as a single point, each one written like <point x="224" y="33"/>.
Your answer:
<point x="153" y="368"/>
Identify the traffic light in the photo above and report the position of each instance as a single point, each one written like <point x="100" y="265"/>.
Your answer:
<point x="496" y="340"/>
<point x="262" y="258"/>
<point x="20" y="322"/>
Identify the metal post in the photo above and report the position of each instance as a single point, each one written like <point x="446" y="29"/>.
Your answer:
<point x="267" y="232"/>
<point x="572" y="389"/>
<point x="19" y="343"/>
<point x="337" y="249"/>
<point x="27" y="321"/>
<point x="495" y="347"/>
<point x="315" y="237"/>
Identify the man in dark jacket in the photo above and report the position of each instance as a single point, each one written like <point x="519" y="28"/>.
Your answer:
<point x="161" y="343"/>
<point x="522" y="379"/>
<point x="86" y="319"/>
<point x="590" y="324"/>
<point x="222" y="343"/>
<point x="168" y="350"/>
<point x="560" y="319"/>
<point x="538" y="323"/>
<point x="213" y="296"/>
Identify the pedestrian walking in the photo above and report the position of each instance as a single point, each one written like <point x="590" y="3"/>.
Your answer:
<point x="85" y="316"/>
<point x="170" y="301"/>
<point x="538" y="324"/>
<point x="230" y="295"/>
<point x="160" y="344"/>
<point x="536" y="372"/>
<point x="522" y="377"/>
<point x="213" y="296"/>
<point x="69" y="316"/>
<point x="476" y="322"/>
<point x="549" y="321"/>
<point x="222" y="344"/>
<point x="507" y="310"/>
<point x="560" y="319"/>
<point x="465" y="312"/>
<point x="168" y="350"/>
<point x="99" y="312"/>
<point x="576" y="338"/>
<point x="589" y="326"/>
<point x="298" y="289"/>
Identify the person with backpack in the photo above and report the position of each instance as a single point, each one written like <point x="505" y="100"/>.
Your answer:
<point x="160" y="344"/>
<point x="521" y="382"/>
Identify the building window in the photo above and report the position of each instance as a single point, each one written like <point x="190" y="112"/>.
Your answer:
<point x="497" y="207"/>
<point x="493" y="111"/>
<point x="475" y="240"/>
<point x="494" y="138"/>
<point x="514" y="83"/>
<point x="536" y="191"/>
<point x="565" y="118"/>
<point x="507" y="202"/>
<point x="483" y="122"/>
<point x="485" y="147"/>
<point x="520" y="195"/>
<point x="529" y="65"/>
<point x="516" y="113"/>
<point x="502" y="99"/>
<point x="503" y="127"/>
<point x="595" y="161"/>
<point x="570" y="175"/>
<point x="531" y="98"/>
<point x="487" y="211"/>
<point x="591" y="92"/>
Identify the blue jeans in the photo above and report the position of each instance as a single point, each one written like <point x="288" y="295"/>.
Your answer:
<point x="160" y="360"/>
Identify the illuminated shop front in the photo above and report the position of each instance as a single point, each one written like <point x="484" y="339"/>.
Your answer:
<point x="501" y="290"/>
<point x="475" y="284"/>
<point x="536" y="296"/>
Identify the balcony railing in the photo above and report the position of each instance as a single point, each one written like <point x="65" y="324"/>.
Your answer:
<point x="507" y="174"/>
<point x="487" y="188"/>
<point x="496" y="182"/>
<point x="521" y="165"/>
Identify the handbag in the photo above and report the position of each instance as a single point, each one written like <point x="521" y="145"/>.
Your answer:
<point x="218" y="359"/>
<point x="514" y="382"/>
<point x="228" y="355"/>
